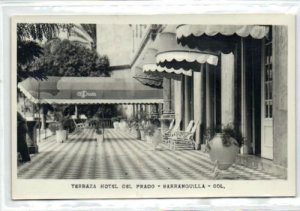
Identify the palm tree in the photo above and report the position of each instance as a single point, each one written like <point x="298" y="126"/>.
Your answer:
<point x="85" y="34"/>
<point x="28" y="49"/>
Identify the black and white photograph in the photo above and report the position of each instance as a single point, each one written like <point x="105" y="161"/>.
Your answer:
<point x="139" y="107"/>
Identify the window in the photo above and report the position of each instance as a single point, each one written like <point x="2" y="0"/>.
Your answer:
<point x="268" y="77"/>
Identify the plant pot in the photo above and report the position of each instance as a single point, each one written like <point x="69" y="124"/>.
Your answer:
<point x="224" y="155"/>
<point x="142" y="131"/>
<point x="155" y="139"/>
<point x="136" y="133"/>
<point x="148" y="139"/>
<point x="116" y="125"/>
<point x="123" y="126"/>
<point x="61" y="136"/>
<point x="99" y="138"/>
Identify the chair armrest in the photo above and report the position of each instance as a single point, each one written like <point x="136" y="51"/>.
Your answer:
<point x="182" y="135"/>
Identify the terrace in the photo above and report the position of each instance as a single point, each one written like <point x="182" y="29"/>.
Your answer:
<point x="121" y="156"/>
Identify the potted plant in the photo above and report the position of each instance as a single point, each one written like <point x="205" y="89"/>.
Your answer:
<point x="115" y="121"/>
<point x="63" y="124"/>
<point x="123" y="125"/>
<point x="223" y="146"/>
<point x="134" y="128"/>
<point x="142" y="124"/>
<point x="152" y="134"/>
<point x="99" y="135"/>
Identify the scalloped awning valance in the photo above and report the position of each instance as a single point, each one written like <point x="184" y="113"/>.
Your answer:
<point x="176" y="57"/>
<point x="217" y="38"/>
<point x="169" y="73"/>
<point x="256" y="32"/>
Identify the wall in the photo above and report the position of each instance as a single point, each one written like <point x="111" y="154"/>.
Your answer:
<point x="138" y="33"/>
<point x="116" y="42"/>
<point x="280" y="53"/>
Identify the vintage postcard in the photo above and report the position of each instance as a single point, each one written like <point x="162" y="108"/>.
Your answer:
<point x="163" y="106"/>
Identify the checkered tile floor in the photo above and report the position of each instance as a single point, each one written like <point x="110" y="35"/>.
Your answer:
<point x="121" y="156"/>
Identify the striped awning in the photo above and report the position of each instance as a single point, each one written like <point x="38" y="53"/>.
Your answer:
<point x="178" y="59"/>
<point x="171" y="73"/>
<point x="89" y="90"/>
<point x="148" y="79"/>
<point x="256" y="32"/>
<point x="150" y="68"/>
<point x="217" y="38"/>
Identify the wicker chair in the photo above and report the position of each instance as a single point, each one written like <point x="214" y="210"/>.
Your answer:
<point x="172" y="129"/>
<point x="183" y="138"/>
<point x="79" y="126"/>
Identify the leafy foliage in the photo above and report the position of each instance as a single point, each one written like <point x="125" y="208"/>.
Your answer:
<point x="62" y="118"/>
<point x="86" y="32"/>
<point x="66" y="58"/>
<point x="150" y="129"/>
<point x="41" y="30"/>
<point x="29" y="50"/>
<point x="228" y="132"/>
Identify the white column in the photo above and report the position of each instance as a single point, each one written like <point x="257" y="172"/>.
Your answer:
<point x="178" y="100"/>
<point x="43" y="117"/>
<point x="227" y="89"/>
<point x="198" y="102"/>
<point x="76" y="111"/>
<point x="139" y="111"/>
<point x="187" y="101"/>
<point x="244" y="119"/>
<point x="209" y="96"/>
<point x="133" y="110"/>
<point x="147" y="110"/>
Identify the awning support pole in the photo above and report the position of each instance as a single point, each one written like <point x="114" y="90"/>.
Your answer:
<point x="198" y="104"/>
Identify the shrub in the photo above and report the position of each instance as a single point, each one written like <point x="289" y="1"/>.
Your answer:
<point x="150" y="129"/>
<point x="115" y="119"/>
<point x="228" y="131"/>
<point x="99" y="131"/>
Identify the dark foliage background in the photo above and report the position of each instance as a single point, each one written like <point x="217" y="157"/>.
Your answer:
<point x="67" y="58"/>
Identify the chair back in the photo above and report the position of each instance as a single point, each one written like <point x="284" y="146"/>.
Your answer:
<point x="172" y="124"/>
<point x="176" y="127"/>
<point x="189" y="127"/>
<point x="195" y="127"/>
<point x="74" y="122"/>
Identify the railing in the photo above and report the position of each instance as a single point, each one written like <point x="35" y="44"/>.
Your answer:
<point x="106" y="123"/>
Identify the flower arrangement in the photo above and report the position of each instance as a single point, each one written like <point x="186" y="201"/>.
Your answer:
<point x="133" y="123"/>
<point x="150" y="129"/>
<point x="63" y="123"/>
<point x="229" y="132"/>
<point x="228" y="135"/>
<point x="54" y="126"/>
<point x="99" y="131"/>
<point x="115" y="119"/>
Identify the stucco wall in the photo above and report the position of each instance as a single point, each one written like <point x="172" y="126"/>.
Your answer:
<point x="280" y="53"/>
<point x="116" y="42"/>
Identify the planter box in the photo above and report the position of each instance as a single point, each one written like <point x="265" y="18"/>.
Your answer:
<point x="61" y="136"/>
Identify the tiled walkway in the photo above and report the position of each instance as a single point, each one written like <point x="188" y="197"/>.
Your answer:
<point x="121" y="156"/>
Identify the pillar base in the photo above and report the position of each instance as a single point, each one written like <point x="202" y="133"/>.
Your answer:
<point x="33" y="149"/>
